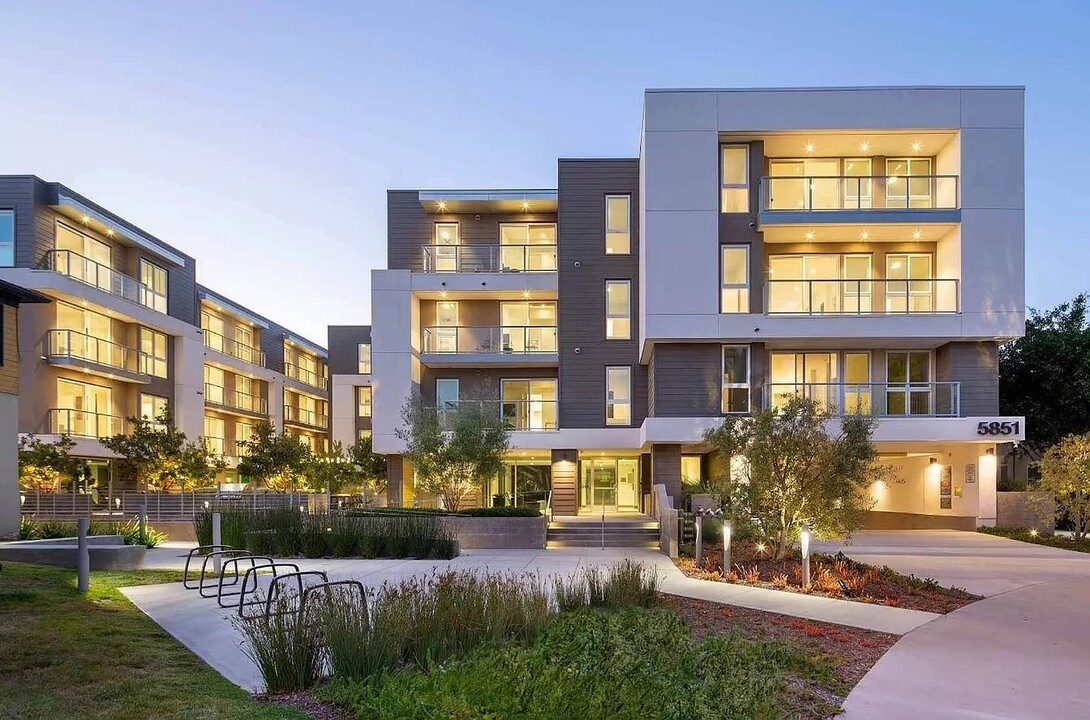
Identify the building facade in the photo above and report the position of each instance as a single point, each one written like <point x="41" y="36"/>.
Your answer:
<point x="129" y="333"/>
<point x="862" y="247"/>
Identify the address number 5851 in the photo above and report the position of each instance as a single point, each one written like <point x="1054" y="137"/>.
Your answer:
<point x="996" y="427"/>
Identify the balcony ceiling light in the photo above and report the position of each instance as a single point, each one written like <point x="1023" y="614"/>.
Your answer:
<point x="809" y="148"/>
<point x="810" y="235"/>
<point x="525" y="204"/>
<point x="109" y="232"/>
<point x="864" y="235"/>
<point x="864" y="146"/>
<point x="917" y="234"/>
<point x="525" y="293"/>
<point x="917" y="146"/>
<point x="85" y="219"/>
<point x="442" y="205"/>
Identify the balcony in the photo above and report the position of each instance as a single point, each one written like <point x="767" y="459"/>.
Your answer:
<point x="89" y="272"/>
<point x="900" y="400"/>
<point x="104" y="358"/>
<point x="489" y="258"/>
<point x="235" y="401"/>
<point x="865" y="198"/>
<point x="81" y="423"/>
<point x="302" y="416"/>
<point x="305" y="376"/>
<point x="517" y="415"/>
<point x="923" y="296"/>
<point x="214" y="341"/>
<point x="521" y="344"/>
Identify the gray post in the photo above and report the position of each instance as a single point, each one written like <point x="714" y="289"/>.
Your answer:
<point x="699" y="539"/>
<point x="144" y="520"/>
<point x="83" y="557"/>
<point x="603" y="525"/>
<point x="804" y="542"/>
<point x="217" y="539"/>
<point x="726" y="546"/>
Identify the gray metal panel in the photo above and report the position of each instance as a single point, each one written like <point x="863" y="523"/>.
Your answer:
<point x="479" y="383"/>
<point x="687" y="379"/>
<point x="976" y="366"/>
<point x="583" y="186"/>
<point x="342" y="341"/>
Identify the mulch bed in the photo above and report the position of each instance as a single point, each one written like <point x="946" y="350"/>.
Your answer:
<point x="304" y="702"/>
<point x="831" y="576"/>
<point x="853" y="651"/>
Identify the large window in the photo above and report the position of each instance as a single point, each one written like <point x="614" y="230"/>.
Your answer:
<point x="363" y="401"/>
<point x="214" y="429"/>
<point x="908" y="182"/>
<point x="529" y="404"/>
<point x="816" y="284"/>
<point x="212" y="325"/>
<point x="213" y="385"/>
<point x="908" y="375"/>
<point x="151" y="407"/>
<point x="154" y="278"/>
<point x="618" y="224"/>
<point x="619" y="395"/>
<point x="445" y="250"/>
<point x="527" y="247"/>
<point x="7" y="238"/>
<point x="618" y="310"/>
<point x="528" y="327"/>
<point x="446" y="394"/>
<point x="909" y="285"/>
<point x="83" y="257"/>
<point x="363" y="358"/>
<point x="84" y="410"/>
<point x="734" y="283"/>
<point x="153" y="352"/>
<point x="734" y="179"/>
<point x="735" y="379"/>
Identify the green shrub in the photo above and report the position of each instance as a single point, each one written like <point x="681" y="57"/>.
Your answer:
<point x="501" y="512"/>
<point x="29" y="528"/>
<point x="286" y="645"/>
<point x="626" y="583"/>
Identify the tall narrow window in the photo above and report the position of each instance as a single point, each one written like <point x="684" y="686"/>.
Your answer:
<point x="363" y="358"/>
<point x="153" y="352"/>
<point x="363" y="401"/>
<point x="909" y="285"/>
<point x="908" y="389"/>
<point x="151" y="407"/>
<point x="618" y="310"/>
<point x="444" y="253"/>
<point x="619" y="395"/>
<point x="7" y="238"/>
<point x="618" y="224"/>
<point x="154" y="279"/>
<point x="735" y="378"/>
<point x="446" y="393"/>
<point x="734" y="285"/>
<point x="734" y="179"/>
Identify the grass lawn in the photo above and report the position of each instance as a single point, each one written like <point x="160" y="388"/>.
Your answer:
<point x="98" y="656"/>
<point x="1024" y="534"/>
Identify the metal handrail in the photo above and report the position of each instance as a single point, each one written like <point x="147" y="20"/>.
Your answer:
<point x="923" y="399"/>
<point x="917" y="296"/>
<point x="859" y="192"/>
<point x="488" y="339"/>
<point x="489" y="258"/>
<point x="219" y="395"/>
<point x="90" y="272"/>
<point x="81" y="423"/>
<point x="310" y="377"/>
<point x="305" y="417"/>
<point x="82" y="346"/>
<point x="220" y="343"/>
<point x="521" y="415"/>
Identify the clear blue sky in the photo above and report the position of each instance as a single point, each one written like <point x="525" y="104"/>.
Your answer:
<point x="260" y="137"/>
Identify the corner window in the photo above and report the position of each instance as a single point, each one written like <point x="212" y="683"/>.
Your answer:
<point x="618" y="224"/>
<point x="151" y="407"/>
<point x="363" y="358"/>
<point x="363" y="401"/>
<point x="618" y="310"/>
<point x="7" y="238"/>
<point x="734" y="179"/>
<point x="153" y="352"/>
<point x="735" y="379"/>
<point x="154" y="292"/>
<point x="734" y="279"/>
<point x="619" y="395"/>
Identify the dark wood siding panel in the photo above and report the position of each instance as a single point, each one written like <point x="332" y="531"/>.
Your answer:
<point x="564" y="478"/>
<point x="342" y="341"/>
<point x="687" y="379"/>
<point x="478" y="383"/>
<point x="666" y="468"/>
<point x="976" y="366"/>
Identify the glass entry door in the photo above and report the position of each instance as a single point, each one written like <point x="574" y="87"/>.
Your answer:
<point x="447" y="239"/>
<point x="610" y="484"/>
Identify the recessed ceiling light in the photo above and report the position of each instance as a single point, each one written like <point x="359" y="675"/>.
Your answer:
<point x="917" y="146"/>
<point x="443" y="294"/>
<point x="442" y="205"/>
<point x="86" y="219"/>
<point x="810" y="235"/>
<point x="809" y="147"/>
<point x="525" y="293"/>
<point x="864" y="235"/>
<point x="525" y="204"/>
<point x="864" y="146"/>
<point x="109" y="232"/>
<point x="917" y="234"/>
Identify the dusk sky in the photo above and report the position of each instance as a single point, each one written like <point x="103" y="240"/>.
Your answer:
<point x="261" y="137"/>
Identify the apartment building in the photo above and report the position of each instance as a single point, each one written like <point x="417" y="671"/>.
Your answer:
<point x="129" y="332"/>
<point x="863" y="247"/>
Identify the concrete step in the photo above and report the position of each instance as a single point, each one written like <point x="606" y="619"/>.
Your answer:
<point x="610" y="542"/>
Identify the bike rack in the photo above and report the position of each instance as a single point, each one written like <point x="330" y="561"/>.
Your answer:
<point x="245" y="590"/>
<point x="274" y="589"/>
<point x="189" y="558"/>
<point x="266" y="562"/>
<point x="223" y="555"/>
<point x="327" y="586"/>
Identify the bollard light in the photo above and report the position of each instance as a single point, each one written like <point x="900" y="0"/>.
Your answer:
<point x="117" y="502"/>
<point x="726" y="547"/>
<point x="206" y="505"/>
<point x="699" y="539"/>
<point x="804" y="542"/>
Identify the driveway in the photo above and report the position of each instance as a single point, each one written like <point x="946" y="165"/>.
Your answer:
<point x="1023" y="652"/>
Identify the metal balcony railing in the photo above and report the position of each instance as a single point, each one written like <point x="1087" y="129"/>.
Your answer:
<point x="489" y="258"/>
<point x="859" y="192"/>
<point x="301" y="416"/>
<point x="303" y="375"/>
<point x="220" y="343"/>
<point x="519" y="415"/>
<point x="86" y="270"/>
<point x="929" y="296"/>
<point x="218" y="395"/>
<point x="930" y="399"/>
<point x="489" y="340"/>
<point x="75" y="345"/>
<point x="81" y="423"/>
<point x="215" y="445"/>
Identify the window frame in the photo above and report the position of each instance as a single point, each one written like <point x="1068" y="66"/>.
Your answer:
<point x="150" y="363"/>
<point x="359" y="401"/>
<point x="154" y="398"/>
<point x="612" y="403"/>
<point x="724" y="185"/>
<point x="457" y="394"/>
<point x="155" y="268"/>
<point x="363" y="367"/>
<point x="615" y="231"/>
<point x="4" y="213"/>
<point x="724" y="385"/>
<point x="723" y="285"/>
<point x="628" y="309"/>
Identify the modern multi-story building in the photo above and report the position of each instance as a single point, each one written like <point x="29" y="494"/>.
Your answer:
<point x="863" y="247"/>
<point x="130" y="332"/>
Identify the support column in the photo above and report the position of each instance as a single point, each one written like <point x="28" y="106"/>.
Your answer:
<point x="666" y="469"/>
<point x="395" y="471"/>
<point x="189" y="398"/>
<point x="564" y="479"/>
<point x="9" y="464"/>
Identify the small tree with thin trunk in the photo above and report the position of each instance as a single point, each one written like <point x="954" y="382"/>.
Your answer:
<point x="372" y="466"/>
<point x="1065" y="476"/>
<point x="453" y="450"/>
<point x="333" y="471"/>
<point x="43" y="466"/>
<point x="277" y="460"/>
<point x="161" y="457"/>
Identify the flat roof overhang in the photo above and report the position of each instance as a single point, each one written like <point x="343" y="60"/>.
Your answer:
<point x="488" y="201"/>
<point x="89" y="217"/>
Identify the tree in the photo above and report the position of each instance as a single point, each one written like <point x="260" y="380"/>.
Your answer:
<point x="277" y="460"/>
<point x="160" y="456"/>
<point x="43" y="466"/>
<point x="453" y="451"/>
<point x="1065" y="475"/>
<point x="1045" y="375"/>
<point x="372" y="466"/>
<point x="796" y="473"/>
<point x="333" y="471"/>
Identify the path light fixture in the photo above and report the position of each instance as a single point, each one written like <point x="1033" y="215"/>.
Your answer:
<point x="726" y="546"/>
<point x="699" y="539"/>
<point x="804" y="541"/>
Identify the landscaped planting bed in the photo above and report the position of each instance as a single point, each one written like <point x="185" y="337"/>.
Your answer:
<point x="33" y="529"/>
<point x="836" y="576"/>
<point x="1037" y="538"/>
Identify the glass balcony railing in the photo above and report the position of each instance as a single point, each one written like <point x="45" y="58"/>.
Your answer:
<point x="81" y="423"/>
<point x="489" y="258"/>
<point x="218" y="395"/>
<point x="927" y="296"/>
<point x="489" y="340"/>
<point x="214" y="341"/>
<point x="105" y="278"/>
<point x="931" y="399"/>
<point x="521" y="415"/>
<point x="215" y="445"/>
<point x="303" y="375"/>
<point x="302" y="416"/>
<point x="72" y="345"/>
<point x="864" y="192"/>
